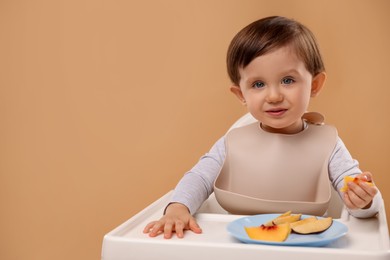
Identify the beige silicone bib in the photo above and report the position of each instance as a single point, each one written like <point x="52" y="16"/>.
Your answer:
<point x="271" y="173"/>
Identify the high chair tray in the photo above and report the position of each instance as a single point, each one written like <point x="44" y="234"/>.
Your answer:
<point x="365" y="239"/>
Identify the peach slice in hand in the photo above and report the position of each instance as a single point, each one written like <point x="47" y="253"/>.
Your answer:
<point x="348" y="179"/>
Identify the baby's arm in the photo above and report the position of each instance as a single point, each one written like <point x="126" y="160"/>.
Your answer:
<point x="361" y="201"/>
<point x="191" y="191"/>
<point x="198" y="183"/>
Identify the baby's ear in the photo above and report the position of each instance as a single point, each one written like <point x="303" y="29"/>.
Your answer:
<point x="317" y="83"/>
<point x="236" y="90"/>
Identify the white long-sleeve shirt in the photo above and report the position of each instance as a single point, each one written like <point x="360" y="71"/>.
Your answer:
<point x="198" y="183"/>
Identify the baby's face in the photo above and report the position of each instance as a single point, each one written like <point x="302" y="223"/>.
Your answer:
<point x="277" y="88"/>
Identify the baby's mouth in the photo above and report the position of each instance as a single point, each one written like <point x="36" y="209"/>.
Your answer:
<point x="276" y="111"/>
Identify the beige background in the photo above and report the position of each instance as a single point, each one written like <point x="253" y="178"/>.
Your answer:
<point x="105" y="104"/>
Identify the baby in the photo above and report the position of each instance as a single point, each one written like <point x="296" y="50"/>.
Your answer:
<point x="276" y="68"/>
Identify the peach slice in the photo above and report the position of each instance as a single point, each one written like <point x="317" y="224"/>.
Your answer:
<point x="303" y="221"/>
<point x="348" y="179"/>
<point x="275" y="233"/>
<point x="271" y="222"/>
<point x="287" y="219"/>
<point x="313" y="227"/>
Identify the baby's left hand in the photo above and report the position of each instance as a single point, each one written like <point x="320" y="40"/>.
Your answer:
<point x="360" y="194"/>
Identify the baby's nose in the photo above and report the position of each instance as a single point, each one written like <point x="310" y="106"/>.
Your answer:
<point x="274" y="95"/>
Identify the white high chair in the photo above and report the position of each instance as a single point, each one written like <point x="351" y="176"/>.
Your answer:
<point x="365" y="239"/>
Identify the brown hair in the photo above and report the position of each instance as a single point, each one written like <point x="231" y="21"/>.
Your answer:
<point x="268" y="34"/>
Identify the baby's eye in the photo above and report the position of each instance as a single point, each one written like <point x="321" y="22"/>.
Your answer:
<point x="287" y="81"/>
<point x="258" y="84"/>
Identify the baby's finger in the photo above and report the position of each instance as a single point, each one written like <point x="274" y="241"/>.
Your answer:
<point x="359" y="197"/>
<point x="370" y="190"/>
<point x="356" y="189"/>
<point x="364" y="190"/>
<point x="179" y="228"/>
<point x="157" y="229"/>
<point x="168" y="228"/>
<point x="366" y="176"/>
<point x="348" y="202"/>
<point x="193" y="225"/>
<point x="149" y="226"/>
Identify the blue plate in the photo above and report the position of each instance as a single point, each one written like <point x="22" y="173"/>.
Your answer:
<point x="237" y="230"/>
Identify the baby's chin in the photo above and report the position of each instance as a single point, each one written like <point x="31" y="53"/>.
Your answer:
<point x="282" y="128"/>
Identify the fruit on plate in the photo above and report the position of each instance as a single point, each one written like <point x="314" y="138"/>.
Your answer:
<point x="279" y="228"/>
<point x="286" y="217"/>
<point x="303" y="221"/>
<point x="275" y="233"/>
<point x="312" y="227"/>
<point x="348" y="179"/>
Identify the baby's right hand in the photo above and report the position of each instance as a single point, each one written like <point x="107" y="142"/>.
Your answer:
<point x="177" y="218"/>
